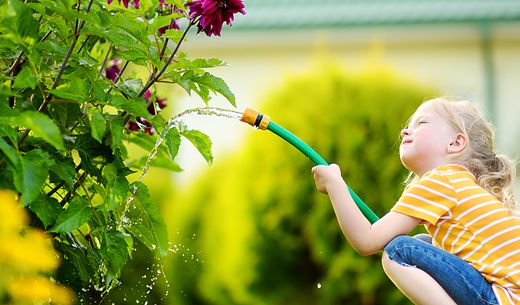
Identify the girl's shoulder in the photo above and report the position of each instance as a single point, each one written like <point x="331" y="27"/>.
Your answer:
<point x="451" y="172"/>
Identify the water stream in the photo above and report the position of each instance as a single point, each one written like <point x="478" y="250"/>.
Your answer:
<point x="173" y="122"/>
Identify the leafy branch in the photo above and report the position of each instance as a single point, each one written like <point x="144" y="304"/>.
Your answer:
<point x="71" y="110"/>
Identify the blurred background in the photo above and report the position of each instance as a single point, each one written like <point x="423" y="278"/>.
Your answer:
<point x="344" y="76"/>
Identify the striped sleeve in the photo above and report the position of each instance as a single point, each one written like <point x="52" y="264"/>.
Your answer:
<point x="429" y="199"/>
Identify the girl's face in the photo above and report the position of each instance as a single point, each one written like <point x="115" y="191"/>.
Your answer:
<point x="425" y="140"/>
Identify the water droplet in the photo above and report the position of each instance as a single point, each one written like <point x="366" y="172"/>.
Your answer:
<point x="318" y="285"/>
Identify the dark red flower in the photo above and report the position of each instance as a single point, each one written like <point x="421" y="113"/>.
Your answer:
<point x="146" y="126"/>
<point x="132" y="126"/>
<point x="147" y="95"/>
<point x="161" y="102"/>
<point x="141" y="124"/>
<point x="213" y="13"/>
<point x="173" y="25"/>
<point x="135" y="3"/>
<point x="153" y="108"/>
<point x="112" y="71"/>
<point x="169" y="9"/>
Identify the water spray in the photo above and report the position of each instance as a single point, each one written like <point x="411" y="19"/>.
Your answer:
<point x="263" y="122"/>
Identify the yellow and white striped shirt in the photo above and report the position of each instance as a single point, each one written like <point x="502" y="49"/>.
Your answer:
<point x="466" y="220"/>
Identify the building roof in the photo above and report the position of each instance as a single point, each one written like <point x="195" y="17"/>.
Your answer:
<point x="301" y="14"/>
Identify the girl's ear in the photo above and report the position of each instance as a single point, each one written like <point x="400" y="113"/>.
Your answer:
<point x="457" y="144"/>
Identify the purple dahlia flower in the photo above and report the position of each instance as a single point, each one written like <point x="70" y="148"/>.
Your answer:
<point x="213" y="13"/>
<point x="173" y="25"/>
<point x="135" y="3"/>
<point x="112" y="71"/>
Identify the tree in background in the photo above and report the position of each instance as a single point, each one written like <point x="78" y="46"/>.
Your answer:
<point x="253" y="229"/>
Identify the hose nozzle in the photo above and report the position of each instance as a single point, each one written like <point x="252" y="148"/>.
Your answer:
<point x="255" y="118"/>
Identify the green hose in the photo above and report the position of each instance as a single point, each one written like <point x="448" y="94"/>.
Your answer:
<point x="318" y="160"/>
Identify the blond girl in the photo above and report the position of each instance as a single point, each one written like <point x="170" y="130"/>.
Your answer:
<point x="462" y="193"/>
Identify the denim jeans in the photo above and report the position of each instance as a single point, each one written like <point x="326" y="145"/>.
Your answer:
<point x="464" y="284"/>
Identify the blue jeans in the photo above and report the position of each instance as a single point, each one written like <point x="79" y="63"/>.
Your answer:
<point x="464" y="284"/>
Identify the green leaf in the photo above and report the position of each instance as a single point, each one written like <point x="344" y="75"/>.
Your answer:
<point x="151" y="229"/>
<point x="77" y="213"/>
<point x="203" y="83"/>
<point x="114" y="251"/>
<point x="173" y="35"/>
<point x="198" y="63"/>
<point x="47" y="209"/>
<point x="14" y="165"/>
<point x="166" y="164"/>
<point x="179" y="4"/>
<point x="5" y="92"/>
<point x="187" y="83"/>
<point x="117" y="127"/>
<point x="35" y="169"/>
<point x="9" y="152"/>
<point x="147" y="143"/>
<point x="133" y="26"/>
<point x="89" y="149"/>
<point x="137" y="54"/>
<point x="10" y="133"/>
<point x="52" y="49"/>
<point x="116" y="187"/>
<point x="64" y="9"/>
<point x="201" y="141"/>
<point x="74" y="90"/>
<point x="26" y="25"/>
<point x="131" y="87"/>
<point x="136" y="106"/>
<point x="97" y="124"/>
<point x="159" y="161"/>
<point x="65" y="170"/>
<point x="173" y="141"/>
<point x="162" y="21"/>
<point x="25" y="79"/>
<point x="77" y="262"/>
<point x="66" y="114"/>
<point x="215" y="84"/>
<point x="41" y="126"/>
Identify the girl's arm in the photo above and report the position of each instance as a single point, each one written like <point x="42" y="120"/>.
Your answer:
<point x="366" y="238"/>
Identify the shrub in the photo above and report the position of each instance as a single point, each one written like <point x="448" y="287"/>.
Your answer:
<point x="263" y="233"/>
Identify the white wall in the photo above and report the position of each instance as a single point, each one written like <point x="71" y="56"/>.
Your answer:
<point x="447" y="57"/>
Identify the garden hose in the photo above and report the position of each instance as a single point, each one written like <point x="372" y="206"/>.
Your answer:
<point x="263" y="122"/>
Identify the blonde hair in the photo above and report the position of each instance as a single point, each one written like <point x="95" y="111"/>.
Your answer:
<point x="494" y="172"/>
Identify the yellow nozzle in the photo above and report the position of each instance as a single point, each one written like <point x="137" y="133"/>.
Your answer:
<point x="255" y="118"/>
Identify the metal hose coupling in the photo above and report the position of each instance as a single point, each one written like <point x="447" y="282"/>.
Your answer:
<point x="255" y="118"/>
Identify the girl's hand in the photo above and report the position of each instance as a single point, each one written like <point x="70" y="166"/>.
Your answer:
<point x="325" y="176"/>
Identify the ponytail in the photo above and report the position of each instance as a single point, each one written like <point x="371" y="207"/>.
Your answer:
<point x="496" y="174"/>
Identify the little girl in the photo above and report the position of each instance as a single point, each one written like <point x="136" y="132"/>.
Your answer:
<point x="462" y="193"/>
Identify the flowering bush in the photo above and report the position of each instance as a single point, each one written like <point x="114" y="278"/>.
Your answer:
<point x="69" y="109"/>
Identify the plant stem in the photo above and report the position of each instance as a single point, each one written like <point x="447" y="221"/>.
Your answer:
<point x="73" y="191"/>
<point x="57" y="187"/>
<point x="105" y="59"/>
<point x="153" y="80"/>
<point x="88" y="195"/>
<point x="165" y="45"/>
<point x="150" y="83"/>
<point x="60" y="73"/>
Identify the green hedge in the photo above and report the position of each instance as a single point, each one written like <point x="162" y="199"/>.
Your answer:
<point x="254" y="230"/>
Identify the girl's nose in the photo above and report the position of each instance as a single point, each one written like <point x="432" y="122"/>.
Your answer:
<point x="405" y="132"/>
